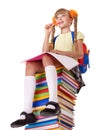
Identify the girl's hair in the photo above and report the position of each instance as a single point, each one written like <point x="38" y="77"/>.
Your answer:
<point x="72" y="14"/>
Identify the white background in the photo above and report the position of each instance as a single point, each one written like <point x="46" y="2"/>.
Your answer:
<point x="21" y="37"/>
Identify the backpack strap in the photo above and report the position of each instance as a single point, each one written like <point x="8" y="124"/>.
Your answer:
<point x="54" y="40"/>
<point x="72" y="33"/>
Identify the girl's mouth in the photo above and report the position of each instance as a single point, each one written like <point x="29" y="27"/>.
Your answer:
<point x="59" y="22"/>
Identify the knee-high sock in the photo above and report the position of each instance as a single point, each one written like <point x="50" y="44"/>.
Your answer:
<point x="29" y="89"/>
<point x="51" y="77"/>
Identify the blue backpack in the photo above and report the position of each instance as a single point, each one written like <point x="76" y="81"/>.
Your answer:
<point x="84" y="61"/>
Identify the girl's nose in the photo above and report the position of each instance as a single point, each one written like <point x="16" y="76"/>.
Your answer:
<point x="60" y="18"/>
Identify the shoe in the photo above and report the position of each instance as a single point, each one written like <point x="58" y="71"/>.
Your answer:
<point x="51" y="112"/>
<point x="29" y="118"/>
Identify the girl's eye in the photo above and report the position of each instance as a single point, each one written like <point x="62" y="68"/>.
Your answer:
<point x="57" y="17"/>
<point x="62" y="15"/>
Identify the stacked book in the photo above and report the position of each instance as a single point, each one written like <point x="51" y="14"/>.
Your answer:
<point x="67" y="89"/>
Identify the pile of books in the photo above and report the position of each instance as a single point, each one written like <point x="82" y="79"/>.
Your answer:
<point x="67" y="89"/>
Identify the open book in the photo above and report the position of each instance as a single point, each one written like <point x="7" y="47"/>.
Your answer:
<point x="67" y="62"/>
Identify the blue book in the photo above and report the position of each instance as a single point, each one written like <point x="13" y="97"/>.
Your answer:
<point x="40" y="102"/>
<point x="38" y="124"/>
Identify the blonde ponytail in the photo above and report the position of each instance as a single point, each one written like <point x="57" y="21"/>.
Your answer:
<point x="52" y="34"/>
<point x="74" y="16"/>
<point x="75" y="32"/>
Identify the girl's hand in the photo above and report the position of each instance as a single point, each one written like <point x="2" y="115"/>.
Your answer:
<point x="48" y="28"/>
<point x="56" y="51"/>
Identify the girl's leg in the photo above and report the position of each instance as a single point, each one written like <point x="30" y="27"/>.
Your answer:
<point x="50" y="64"/>
<point x="30" y="83"/>
<point x="51" y="77"/>
<point x="29" y="88"/>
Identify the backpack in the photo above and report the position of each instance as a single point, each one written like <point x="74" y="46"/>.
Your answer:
<point x="84" y="61"/>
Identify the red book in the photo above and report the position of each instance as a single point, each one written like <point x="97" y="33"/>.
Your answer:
<point x="41" y="91"/>
<point x="65" y="91"/>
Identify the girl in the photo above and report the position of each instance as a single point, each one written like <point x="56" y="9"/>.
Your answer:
<point x="63" y="46"/>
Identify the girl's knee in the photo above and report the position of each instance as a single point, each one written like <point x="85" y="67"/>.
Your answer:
<point x="33" y="67"/>
<point x="46" y="56"/>
<point x="30" y="68"/>
<point x="47" y="60"/>
<point x="29" y="65"/>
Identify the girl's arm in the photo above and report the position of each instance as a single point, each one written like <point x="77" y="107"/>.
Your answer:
<point x="78" y="53"/>
<point x="48" y="30"/>
<point x="45" y="47"/>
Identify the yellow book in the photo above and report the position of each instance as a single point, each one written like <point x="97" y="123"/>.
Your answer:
<point x="40" y="98"/>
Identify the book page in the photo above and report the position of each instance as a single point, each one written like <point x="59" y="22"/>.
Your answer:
<point x="67" y="62"/>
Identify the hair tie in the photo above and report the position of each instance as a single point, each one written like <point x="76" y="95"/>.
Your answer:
<point x="73" y="13"/>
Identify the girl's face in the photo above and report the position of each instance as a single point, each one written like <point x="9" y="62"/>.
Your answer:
<point x="63" y="20"/>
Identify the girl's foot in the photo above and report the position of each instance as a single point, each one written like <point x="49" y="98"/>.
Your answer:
<point x="50" y="111"/>
<point x="29" y="118"/>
